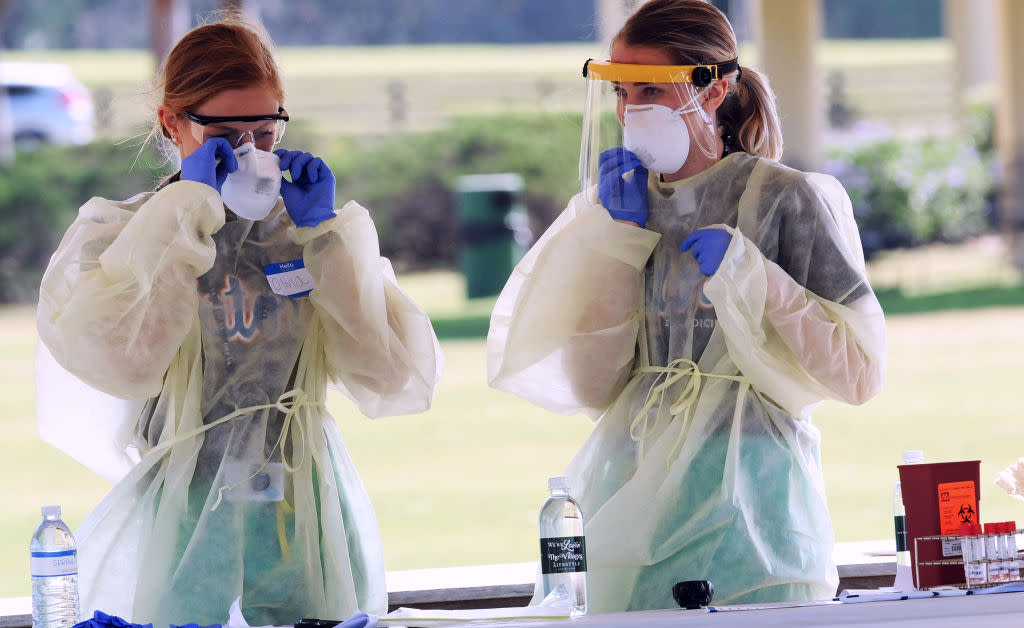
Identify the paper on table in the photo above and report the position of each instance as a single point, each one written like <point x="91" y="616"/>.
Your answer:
<point x="235" y="617"/>
<point x="758" y="607"/>
<point x="851" y="596"/>
<point x="441" y="617"/>
<point x="555" y="606"/>
<point x="1010" y="587"/>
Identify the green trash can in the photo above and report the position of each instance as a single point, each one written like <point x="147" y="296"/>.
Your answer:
<point x="493" y="230"/>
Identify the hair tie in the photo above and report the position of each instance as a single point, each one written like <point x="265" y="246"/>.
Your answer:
<point x="739" y="73"/>
<point x="728" y="145"/>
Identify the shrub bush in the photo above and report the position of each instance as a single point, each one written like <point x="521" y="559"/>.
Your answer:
<point x="40" y="193"/>
<point x="903" y="193"/>
<point x="907" y="193"/>
<point x="408" y="182"/>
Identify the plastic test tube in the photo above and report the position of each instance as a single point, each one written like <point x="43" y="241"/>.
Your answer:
<point x="975" y="571"/>
<point x="1009" y="547"/>
<point x="996" y="563"/>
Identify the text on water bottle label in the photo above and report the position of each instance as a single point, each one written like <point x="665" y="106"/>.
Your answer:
<point x="47" y="564"/>
<point x="563" y="554"/>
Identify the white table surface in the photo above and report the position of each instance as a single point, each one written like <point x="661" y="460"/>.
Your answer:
<point x="1003" y="609"/>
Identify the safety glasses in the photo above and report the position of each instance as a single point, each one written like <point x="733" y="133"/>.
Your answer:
<point x="264" y="131"/>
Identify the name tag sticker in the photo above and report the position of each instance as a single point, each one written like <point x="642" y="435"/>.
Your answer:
<point x="289" y="279"/>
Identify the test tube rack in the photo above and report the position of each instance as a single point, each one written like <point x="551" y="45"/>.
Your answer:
<point x="954" y="561"/>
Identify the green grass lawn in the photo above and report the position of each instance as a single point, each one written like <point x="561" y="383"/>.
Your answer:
<point x="462" y="483"/>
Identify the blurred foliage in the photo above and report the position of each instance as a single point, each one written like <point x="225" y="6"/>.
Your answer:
<point x="911" y="192"/>
<point x="110" y="24"/>
<point x="408" y="182"/>
<point x="124" y="23"/>
<point x="878" y="18"/>
<point x="40" y="193"/>
<point x="904" y="193"/>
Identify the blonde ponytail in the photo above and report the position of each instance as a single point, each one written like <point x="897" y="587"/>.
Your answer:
<point x="748" y="115"/>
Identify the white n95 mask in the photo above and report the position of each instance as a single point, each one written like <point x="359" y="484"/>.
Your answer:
<point x="658" y="135"/>
<point x="252" y="190"/>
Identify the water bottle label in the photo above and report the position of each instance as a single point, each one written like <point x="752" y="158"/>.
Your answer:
<point x="901" y="534"/>
<point x="563" y="554"/>
<point x="46" y="564"/>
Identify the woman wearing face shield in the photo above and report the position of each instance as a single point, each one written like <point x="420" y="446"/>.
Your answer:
<point x="188" y="337"/>
<point x="698" y="299"/>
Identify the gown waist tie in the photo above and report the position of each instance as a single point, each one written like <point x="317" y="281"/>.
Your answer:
<point x="641" y="427"/>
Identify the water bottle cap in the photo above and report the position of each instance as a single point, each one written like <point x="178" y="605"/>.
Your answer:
<point x="51" y="511"/>
<point x="913" y="456"/>
<point x="558" y="482"/>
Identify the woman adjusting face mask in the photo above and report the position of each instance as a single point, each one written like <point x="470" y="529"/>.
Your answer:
<point x="658" y="135"/>
<point x="251" y="190"/>
<point x="700" y="300"/>
<point x="663" y="113"/>
<point x="197" y="371"/>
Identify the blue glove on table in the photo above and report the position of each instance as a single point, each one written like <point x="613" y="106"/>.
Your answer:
<point x="309" y="196"/>
<point x="708" y="247"/>
<point x="203" y="165"/>
<point x="624" y="200"/>
<point x="102" y="620"/>
<point x="359" y="620"/>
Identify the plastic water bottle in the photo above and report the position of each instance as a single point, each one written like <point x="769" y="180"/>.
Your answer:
<point x="563" y="548"/>
<point x="54" y="567"/>
<point x="904" y="574"/>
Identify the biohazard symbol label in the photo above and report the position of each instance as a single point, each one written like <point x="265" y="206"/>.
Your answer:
<point x="958" y="504"/>
<point x="966" y="514"/>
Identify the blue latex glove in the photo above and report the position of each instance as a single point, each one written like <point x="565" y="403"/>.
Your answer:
<point x="210" y="163"/>
<point x="624" y="200"/>
<point x="309" y="196"/>
<point x="102" y="620"/>
<point x="708" y="247"/>
<point x="359" y="620"/>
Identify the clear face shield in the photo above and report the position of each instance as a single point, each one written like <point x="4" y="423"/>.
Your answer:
<point x="655" y="111"/>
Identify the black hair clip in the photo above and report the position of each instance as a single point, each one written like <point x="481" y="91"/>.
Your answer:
<point x="310" y="622"/>
<point x="703" y="75"/>
<point x="693" y="594"/>
<point x="585" y="64"/>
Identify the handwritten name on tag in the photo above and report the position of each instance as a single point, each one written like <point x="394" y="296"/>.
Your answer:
<point x="290" y="279"/>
